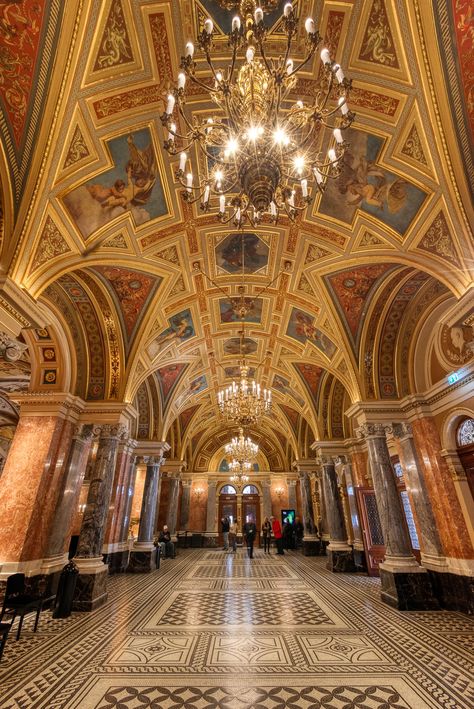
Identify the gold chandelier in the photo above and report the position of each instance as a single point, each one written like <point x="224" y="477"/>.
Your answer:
<point x="244" y="402"/>
<point x="240" y="469"/>
<point x="262" y="146"/>
<point x="242" y="450"/>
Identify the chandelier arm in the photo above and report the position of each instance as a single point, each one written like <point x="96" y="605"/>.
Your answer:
<point x="234" y="59"/>
<point x="304" y="61"/>
<point x="213" y="283"/>
<point x="198" y="82"/>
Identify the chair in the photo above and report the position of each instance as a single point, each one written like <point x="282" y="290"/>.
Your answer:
<point x="18" y="602"/>
<point x="4" y="630"/>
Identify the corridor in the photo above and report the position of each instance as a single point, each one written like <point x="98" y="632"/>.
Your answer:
<point x="211" y="629"/>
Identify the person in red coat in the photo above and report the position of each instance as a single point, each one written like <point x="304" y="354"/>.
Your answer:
<point x="277" y="533"/>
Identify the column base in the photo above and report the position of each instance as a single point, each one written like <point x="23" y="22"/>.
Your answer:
<point x="455" y="592"/>
<point x="91" y="586"/>
<point x="360" y="560"/>
<point x="311" y="546"/>
<point x="407" y="591"/>
<point x="141" y="562"/>
<point x="210" y="540"/>
<point x="117" y="561"/>
<point x="340" y="561"/>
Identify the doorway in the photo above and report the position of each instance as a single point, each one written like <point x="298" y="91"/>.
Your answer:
<point x="251" y="508"/>
<point x="227" y="507"/>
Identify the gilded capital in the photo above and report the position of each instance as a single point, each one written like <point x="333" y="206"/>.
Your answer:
<point x="373" y="430"/>
<point x="402" y="430"/>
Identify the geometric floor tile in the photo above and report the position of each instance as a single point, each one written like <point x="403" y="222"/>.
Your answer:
<point x="210" y="630"/>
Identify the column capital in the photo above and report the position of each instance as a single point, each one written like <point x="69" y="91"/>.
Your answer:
<point x="153" y="460"/>
<point x="11" y="349"/>
<point x="402" y="430"/>
<point x="111" y="431"/>
<point x="83" y="432"/>
<point x="373" y="430"/>
<point x="325" y="460"/>
<point x="45" y="403"/>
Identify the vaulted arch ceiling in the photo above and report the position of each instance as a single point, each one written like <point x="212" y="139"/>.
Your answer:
<point x="338" y="297"/>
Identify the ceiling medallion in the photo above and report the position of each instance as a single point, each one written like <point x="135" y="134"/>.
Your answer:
<point x="262" y="146"/>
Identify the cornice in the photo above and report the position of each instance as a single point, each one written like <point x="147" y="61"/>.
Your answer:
<point x="18" y="309"/>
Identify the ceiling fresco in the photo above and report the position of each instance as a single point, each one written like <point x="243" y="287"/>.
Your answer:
<point x="141" y="284"/>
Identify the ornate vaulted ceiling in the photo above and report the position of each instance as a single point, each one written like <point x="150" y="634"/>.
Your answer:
<point x="340" y="298"/>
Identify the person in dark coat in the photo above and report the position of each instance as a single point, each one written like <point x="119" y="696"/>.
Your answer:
<point x="266" y="535"/>
<point x="250" y="532"/>
<point x="225" y="527"/>
<point x="299" y="532"/>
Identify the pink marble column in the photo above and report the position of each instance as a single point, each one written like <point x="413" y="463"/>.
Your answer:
<point x="30" y="482"/>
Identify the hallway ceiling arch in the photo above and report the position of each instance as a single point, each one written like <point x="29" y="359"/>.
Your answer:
<point x="336" y="296"/>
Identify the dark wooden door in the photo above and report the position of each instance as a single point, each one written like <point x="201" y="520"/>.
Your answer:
<point x="371" y="529"/>
<point x="251" y="509"/>
<point x="227" y="508"/>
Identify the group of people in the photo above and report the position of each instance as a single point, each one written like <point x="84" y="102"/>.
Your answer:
<point x="289" y="537"/>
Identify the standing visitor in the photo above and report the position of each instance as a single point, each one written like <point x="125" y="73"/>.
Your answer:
<point x="299" y="532"/>
<point x="225" y="526"/>
<point x="277" y="533"/>
<point x="233" y="535"/>
<point x="267" y="535"/>
<point x="250" y="532"/>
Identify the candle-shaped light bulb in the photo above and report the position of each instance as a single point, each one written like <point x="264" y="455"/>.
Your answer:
<point x="207" y="192"/>
<point x="304" y="187"/>
<point x="235" y="23"/>
<point x="318" y="175"/>
<point x="181" y="80"/>
<point x="299" y="105"/>
<point x="222" y="204"/>
<point x="208" y="26"/>
<point x="273" y="209"/>
<point x="325" y="56"/>
<point x="238" y="215"/>
<point x="189" y="49"/>
<point x="332" y="155"/>
<point x="250" y="54"/>
<point x="289" y="66"/>
<point x="337" y="132"/>
<point x="309" y="25"/>
<point x="339" y="73"/>
<point x="182" y="161"/>
<point x="291" y="199"/>
<point x="189" y="181"/>
<point x="343" y="105"/>
<point x="258" y="15"/>
<point x="288" y="9"/>
<point x="170" y="104"/>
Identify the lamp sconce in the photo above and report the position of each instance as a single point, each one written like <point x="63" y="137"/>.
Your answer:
<point x="197" y="493"/>
<point x="279" y="492"/>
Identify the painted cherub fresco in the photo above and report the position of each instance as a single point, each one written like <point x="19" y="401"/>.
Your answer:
<point x="363" y="181"/>
<point x="141" y="173"/>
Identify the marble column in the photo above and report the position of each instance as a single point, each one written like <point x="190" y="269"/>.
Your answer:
<point x="357" y="542"/>
<point x="405" y="584"/>
<point x="129" y="489"/>
<point x="340" y="557"/>
<point x="31" y="479"/>
<point x="267" y="498"/>
<point x="57" y="549"/>
<point x="91" y="588"/>
<point x="115" y="549"/>
<point x="432" y="550"/>
<point x="185" y="505"/>
<point x="141" y="558"/>
<point x="211" y="535"/>
<point x="292" y="504"/>
<point x="311" y="544"/>
<point x="174" y="481"/>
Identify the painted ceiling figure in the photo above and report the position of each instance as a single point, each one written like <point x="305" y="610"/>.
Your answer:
<point x="141" y="172"/>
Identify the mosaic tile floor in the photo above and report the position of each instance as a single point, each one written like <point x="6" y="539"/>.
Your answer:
<point x="211" y="630"/>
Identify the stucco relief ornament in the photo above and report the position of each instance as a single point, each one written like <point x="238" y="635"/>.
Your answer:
<point x="457" y="344"/>
<point x="10" y="350"/>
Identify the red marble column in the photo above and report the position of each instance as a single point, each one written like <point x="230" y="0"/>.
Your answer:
<point x="30" y="482"/>
<point x="445" y="503"/>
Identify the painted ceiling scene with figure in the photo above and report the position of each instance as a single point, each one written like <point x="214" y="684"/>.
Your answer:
<point x="236" y="323"/>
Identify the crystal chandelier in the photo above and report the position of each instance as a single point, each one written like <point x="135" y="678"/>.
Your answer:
<point x="240" y="469"/>
<point x="244" y="402"/>
<point x="262" y="146"/>
<point x="241" y="449"/>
